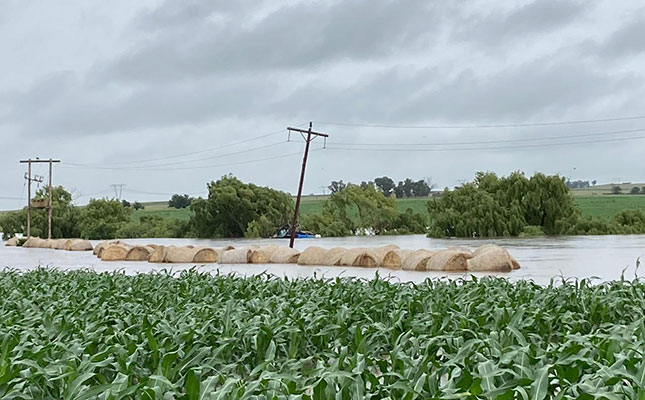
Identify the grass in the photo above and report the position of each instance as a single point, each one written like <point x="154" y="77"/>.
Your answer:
<point x="607" y="206"/>
<point x="82" y="334"/>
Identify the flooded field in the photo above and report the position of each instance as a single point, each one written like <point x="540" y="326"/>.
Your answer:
<point x="604" y="257"/>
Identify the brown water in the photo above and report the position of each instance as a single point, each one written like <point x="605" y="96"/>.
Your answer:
<point x="604" y="257"/>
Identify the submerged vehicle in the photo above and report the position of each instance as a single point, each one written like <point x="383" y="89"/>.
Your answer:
<point x="285" y="233"/>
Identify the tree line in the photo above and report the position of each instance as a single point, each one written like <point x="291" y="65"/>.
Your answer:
<point x="405" y="188"/>
<point x="489" y="206"/>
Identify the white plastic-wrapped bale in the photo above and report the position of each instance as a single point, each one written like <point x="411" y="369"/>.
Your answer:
<point x="449" y="260"/>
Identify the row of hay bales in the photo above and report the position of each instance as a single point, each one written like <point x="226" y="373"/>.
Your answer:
<point x="56" y="244"/>
<point x="484" y="258"/>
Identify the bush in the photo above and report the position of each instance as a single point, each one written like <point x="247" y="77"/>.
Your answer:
<point x="233" y="205"/>
<point x="492" y="206"/>
<point x="180" y="201"/>
<point x="102" y="218"/>
<point x="531" y="231"/>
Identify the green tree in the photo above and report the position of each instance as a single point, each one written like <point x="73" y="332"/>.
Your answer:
<point x="615" y="189"/>
<point x="153" y="226"/>
<point x="180" y="201"/>
<point x="138" y="206"/>
<point x="493" y="206"/>
<point x="635" y="190"/>
<point x="232" y="205"/>
<point x="65" y="217"/>
<point x="102" y="218"/>
<point x="336" y="186"/>
<point x="362" y="209"/>
<point x="386" y="185"/>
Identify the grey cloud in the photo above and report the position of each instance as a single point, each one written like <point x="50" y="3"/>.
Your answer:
<point x="542" y="87"/>
<point x="538" y="17"/>
<point x="626" y="41"/>
<point x="300" y="35"/>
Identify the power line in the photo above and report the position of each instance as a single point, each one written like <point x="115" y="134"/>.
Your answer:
<point x="137" y="167"/>
<point x="199" y="151"/>
<point x="490" y="148"/>
<point x="492" y="141"/>
<point x="189" y="168"/>
<point x="516" y="125"/>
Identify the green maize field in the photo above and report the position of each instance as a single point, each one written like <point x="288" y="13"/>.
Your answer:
<point x="85" y="335"/>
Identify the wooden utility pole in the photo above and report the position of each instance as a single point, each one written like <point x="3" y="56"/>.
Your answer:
<point x="311" y="135"/>
<point x="49" y="192"/>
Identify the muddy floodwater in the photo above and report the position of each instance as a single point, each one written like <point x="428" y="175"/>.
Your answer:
<point x="604" y="257"/>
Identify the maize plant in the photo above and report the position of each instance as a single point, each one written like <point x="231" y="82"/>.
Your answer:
<point x="87" y="335"/>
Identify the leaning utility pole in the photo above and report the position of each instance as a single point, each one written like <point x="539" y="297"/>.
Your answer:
<point x="311" y="135"/>
<point x="39" y="179"/>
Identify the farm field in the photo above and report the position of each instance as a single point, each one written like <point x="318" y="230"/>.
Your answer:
<point x="198" y="336"/>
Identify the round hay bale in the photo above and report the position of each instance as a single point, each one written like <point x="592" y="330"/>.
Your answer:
<point x="102" y="245"/>
<point x="482" y="249"/>
<point x="206" y="255"/>
<point x="449" y="260"/>
<point x="78" y="245"/>
<point x="334" y="256"/>
<point x="285" y="255"/>
<point x="139" y="253"/>
<point x="184" y="254"/>
<point x="394" y="258"/>
<point x="35" y="242"/>
<point x="312" y="255"/>
<point x="153" y="246"/>
<point x="236" y="256"/>
<point x="262" y="255"/>
<point x="494" y="259"/>
<point x="51" y="243"/>
<point x="359" y="258"/>
<point x="417" y="260"/>
<point x="62" y="244"/>
<point x="462" y="249"/>
<point x="380" y="252"/>
<point x="115" y="252"/>
<point x="12" y="242"/>
<point x="158" y="255"/>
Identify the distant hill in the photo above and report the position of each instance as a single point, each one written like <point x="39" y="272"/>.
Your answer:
<point x="606" y="189"/>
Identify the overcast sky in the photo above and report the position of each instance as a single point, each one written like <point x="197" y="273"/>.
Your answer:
<point x="158" y="95"/>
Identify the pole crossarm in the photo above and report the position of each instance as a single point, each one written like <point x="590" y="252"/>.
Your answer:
<point x="38" y="161"/>
<point x="307" y="132"/>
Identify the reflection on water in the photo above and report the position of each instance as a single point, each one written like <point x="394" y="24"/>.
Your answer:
<point x="604" y="257"/>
